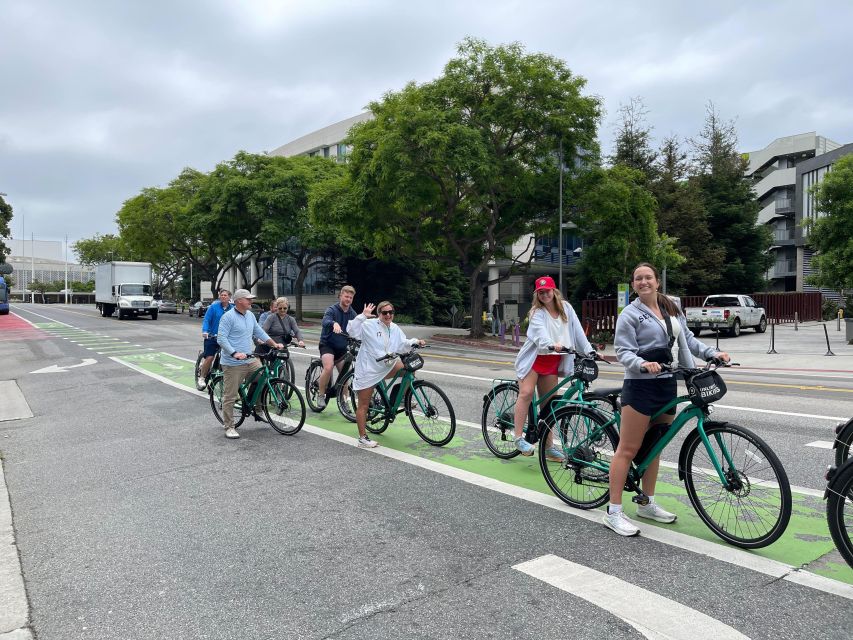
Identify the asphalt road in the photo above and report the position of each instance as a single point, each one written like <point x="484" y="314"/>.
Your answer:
<point x="135" y="518"/>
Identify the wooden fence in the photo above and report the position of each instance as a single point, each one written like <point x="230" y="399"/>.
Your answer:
<point x="600" y="315"/>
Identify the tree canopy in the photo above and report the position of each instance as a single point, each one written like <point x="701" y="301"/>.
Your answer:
<point x="459" y="168"/>
<point x="5" y="231"/>
<point x="831" y="234"/>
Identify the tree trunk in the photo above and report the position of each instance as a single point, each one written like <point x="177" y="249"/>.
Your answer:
<point x="297" y="291"/>
<point x="475" y="295"/>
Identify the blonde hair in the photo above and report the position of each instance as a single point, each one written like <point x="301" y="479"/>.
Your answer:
<point x="282" y="300"/>
<point x="347" y="289"/>
<point x="557" y="300"/>
<point x="384" y="303"/>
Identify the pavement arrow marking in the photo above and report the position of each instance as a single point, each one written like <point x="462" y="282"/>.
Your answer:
<point x="57" y="369"/>
<point x="653" y="615"/>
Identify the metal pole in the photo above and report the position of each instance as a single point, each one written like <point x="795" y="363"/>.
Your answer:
<point x="718" y="338"/>
<point x="191" y="281"/>
<point x="796" y="320"/>
<point x="772" y="348"/>
<point x="33" y="264"/>
<point x="560" y="234"/>
<point x="66" y="268"/>
<point x="826" y="335"/>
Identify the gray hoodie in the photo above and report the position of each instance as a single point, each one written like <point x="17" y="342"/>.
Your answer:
<point x="637" y="329"/>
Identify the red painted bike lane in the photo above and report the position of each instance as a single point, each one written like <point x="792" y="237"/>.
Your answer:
<point x="13" y="327"/>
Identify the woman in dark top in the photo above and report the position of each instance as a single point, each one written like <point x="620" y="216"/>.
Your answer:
<point x="282" y="326"/>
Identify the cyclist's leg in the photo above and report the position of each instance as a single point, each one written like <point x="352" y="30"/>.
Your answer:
<point x="364" y="396"/>
<point x="328" y="360"/>
<point x="232" y="377"/>
<point x="632" y="430"/>
<point x="522" y="404"/>
<point x="650" y="477"/>
<point x="543" y="386"/>
<point x="210" y="349"/>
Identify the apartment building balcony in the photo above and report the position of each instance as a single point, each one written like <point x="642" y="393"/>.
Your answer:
<point x="782" y="269"/>
<point x="775" y="180"/>
<point x="784" y="237"/>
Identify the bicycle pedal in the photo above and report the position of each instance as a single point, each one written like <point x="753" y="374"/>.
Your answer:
<point x="641" y="499"/>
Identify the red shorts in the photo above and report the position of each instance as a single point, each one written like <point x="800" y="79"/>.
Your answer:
<point x="547" y="365"/>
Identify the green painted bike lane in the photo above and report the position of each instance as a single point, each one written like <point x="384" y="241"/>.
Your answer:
<point x="806" y="543"/>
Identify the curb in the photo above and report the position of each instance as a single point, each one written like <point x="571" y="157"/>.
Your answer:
<point x="14" y="608"/>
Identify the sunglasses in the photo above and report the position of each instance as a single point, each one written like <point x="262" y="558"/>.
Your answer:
<point x="387" y="312"/>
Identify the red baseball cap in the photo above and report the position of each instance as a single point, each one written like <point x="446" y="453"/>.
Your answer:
<point x="546" y="282"/>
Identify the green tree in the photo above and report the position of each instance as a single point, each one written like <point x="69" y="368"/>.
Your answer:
<point x="39" y="287"/>
<point x="831" y="234"/>
<point x="633" y="146"/>
<point x="682" y="215"/>
<point x="731" y="206"/>
<point x="616" y="216"/>
<point x="99" y="249"/>
<point x="459" y="168"/>
<point x="5" y="231"/>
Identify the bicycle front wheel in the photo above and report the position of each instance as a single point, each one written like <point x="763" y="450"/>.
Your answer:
<point x="845" y="442"/>
<point x="312" y="385"/>
<point x="347" y="398"/>
<point x="197" y="372"/>
<point x="497" y="423"/>
<point x="586" y="442"/>
<point x="430" y="413"/>
<point x="753" y="508"/>
<point x="839" y="511"/>
<point x="216" y="392"/>
<point x="291" y="371"/>
<point x="283" y="406"/>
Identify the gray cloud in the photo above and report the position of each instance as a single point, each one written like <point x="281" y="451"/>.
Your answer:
<point x="102" y="99"/>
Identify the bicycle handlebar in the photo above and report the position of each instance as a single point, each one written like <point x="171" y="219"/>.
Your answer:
<point x="569" y="351"/>
<point x="710" y="363"/>
<point x="391" y="356"/>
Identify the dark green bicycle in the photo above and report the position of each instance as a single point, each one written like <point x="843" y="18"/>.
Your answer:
<point x="428" y="408"/>
<point x="279" y="399"/>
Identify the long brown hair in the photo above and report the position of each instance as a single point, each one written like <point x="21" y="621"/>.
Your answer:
<point x="557" y="300"/>
<point x="664" y="302"/>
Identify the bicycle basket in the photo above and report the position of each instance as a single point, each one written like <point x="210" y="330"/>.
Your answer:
<point x="412" y="361"/>
<point x="283" y="354"/>
<point x="586" y="369"/>
<point x="705" y="388"/>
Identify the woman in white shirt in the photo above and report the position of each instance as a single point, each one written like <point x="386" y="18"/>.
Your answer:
<point x="379" y="336"/>
<point x="553" y="323"/>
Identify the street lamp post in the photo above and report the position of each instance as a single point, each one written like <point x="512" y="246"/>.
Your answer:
<point x="560" y="233"/>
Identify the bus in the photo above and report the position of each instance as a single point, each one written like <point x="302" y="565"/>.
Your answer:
<point x="4" y="297"/>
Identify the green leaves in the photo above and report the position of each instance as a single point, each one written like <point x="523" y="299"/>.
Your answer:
<point x="832" y="233"/>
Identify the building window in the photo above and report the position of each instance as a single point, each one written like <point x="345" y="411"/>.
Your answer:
<point x="325" y="152"/>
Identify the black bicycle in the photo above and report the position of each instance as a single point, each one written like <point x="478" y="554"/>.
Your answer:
<point x="839" y="492"/>
<point x="843" y="441"/>
<point x="312" y="381"/>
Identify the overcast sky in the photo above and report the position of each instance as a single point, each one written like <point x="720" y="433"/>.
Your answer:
<point x="100" y="99"/>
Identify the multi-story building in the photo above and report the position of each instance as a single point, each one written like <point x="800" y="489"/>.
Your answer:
<point x="42" y="260"/>
<point x="808" y="174"/>
<point x="773" y="171"/>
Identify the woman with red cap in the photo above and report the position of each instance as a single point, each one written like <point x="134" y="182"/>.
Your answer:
<point x="553" y="324"/>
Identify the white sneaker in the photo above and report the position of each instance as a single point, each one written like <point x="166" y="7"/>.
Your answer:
<point x="619" y="523"/>
<point x="201" y="382"/>
<point x="231" y="432"/>
<point x="653" y="511"/>
<point x="366" y="443"/>
<point x="321" y="401"/>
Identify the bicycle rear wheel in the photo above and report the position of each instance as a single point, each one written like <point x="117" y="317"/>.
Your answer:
<point x="497" y="422"/>
<point x="283" y="406"/>
<point x="754" y="509"/>
<point x="312" y="385"/>
<point x="844" y="443"/>
<point x="197" y="372"/>
<point x="291" y="372"/>
<point x="347" y="398"/>
<point x="216" y="391"/>
<point x="430" y="413"/>
<point x="839" y="511"/>
<point x="588" y="442"/>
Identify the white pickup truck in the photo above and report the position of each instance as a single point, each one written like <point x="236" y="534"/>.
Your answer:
<point x="727" y="312"/>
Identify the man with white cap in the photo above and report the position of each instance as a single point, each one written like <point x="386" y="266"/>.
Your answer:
<point x="238" y="330"/>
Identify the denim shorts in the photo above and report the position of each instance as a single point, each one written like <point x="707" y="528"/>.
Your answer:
<point x="649" y="396"/>
<point x="211" y="346"/>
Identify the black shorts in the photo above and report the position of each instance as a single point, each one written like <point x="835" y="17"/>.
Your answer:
<point x="211" y="346"/>
<point x="649" y="396"/>
<point x="338" y="353"/>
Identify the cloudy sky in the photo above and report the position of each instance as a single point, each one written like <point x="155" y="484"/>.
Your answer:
<point x="99" y="99"/>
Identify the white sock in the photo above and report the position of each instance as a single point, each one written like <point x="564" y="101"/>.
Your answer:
<point x="614" y="508"/>
<point x="651" y="499"/>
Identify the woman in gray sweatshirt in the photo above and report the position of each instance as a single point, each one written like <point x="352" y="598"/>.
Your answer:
<point x="643" y="341"/>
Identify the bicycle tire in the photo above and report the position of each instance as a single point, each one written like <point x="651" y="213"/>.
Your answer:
<point x="291" y="372"/>
<point x="197" y="372"/>
<point x="736" y="514"/>
<point x="839" y="500"/>
<point x="434" y="423"/>
<point x="844" y="444"/>
<point x="215" y="390"/>
<point x="347" y="398"/>
<point x="498" y="420"/>
<point x="378" y="414"/>
<point x="583" y="436"/>
<point x="283" y="406"/>
<point x="312" y="385"/>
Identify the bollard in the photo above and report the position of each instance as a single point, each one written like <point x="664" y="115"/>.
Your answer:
<point x="772" y="348"/>
<point x="502" y="332"/>
<point x="516" y="335"/>
<point x="718" y="338"/>
<point x="796" y="321"/>
<point x="838" y="320"/>
<point x="826" y="334"/>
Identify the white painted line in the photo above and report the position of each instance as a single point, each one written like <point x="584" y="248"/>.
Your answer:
<point x="653" y="615"/>
<point x="820" y="444"/>
<point x="723" y="553"/>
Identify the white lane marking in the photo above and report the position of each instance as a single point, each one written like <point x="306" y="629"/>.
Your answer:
<point x="820" y="444"/>
<point x="720" y="552"/>
<point x="653" y="615"/>
<point x="54" y="368"/>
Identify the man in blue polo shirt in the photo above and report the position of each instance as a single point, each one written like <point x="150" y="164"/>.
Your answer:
<point x="238" y="330"/>
<point x="209" y="329"/>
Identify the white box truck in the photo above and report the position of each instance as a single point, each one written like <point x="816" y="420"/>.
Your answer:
<point x="124" y="288"/>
